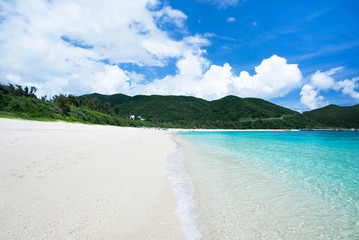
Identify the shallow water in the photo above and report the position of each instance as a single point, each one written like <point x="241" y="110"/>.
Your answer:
<point x="271" y="185"/>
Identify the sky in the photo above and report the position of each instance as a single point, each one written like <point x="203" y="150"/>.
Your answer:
<point x="301" y="54"/>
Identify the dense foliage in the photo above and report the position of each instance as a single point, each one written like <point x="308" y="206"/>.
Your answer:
<point x="336" y="116"/>
<point x="189" y="112"/>
<point x="18" y="102"/>
<point x="170" y="111"/>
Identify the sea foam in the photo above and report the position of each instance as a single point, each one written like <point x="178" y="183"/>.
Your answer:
<point x="183" y="189"/>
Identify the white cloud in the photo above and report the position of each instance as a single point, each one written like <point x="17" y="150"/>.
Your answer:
<point x="310" y="98"/>
<point x="216" y="82"/>
<point x="223" y="3"/>
<point x="231" y="19"/>
<point x="348" y="87"/>
<point x="274" y="78"/>
<point x="13" y="78"/>
<point x="54" y="44"/>
<point x="324" y="80"/>
<point x="78" y="47"/>
<point x="190" y="70"/>
<point x="111" y="80"/>
<point x="319" y="81"/>
<point x="136" y="77"/>
<point x="169" y="15"/>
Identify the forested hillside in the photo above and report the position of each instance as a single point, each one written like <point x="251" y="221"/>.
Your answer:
<point x="230" y="112"/>
<point x="19" y="102"/>
<point x="336" y="116"/>
<point x="189" y="112"/>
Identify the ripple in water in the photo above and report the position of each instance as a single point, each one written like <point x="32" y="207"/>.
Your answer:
<point x="274" y="185"/>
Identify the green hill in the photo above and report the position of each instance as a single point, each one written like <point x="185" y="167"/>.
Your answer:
<point x="230" y="112"/>
<point x="111" y="99"/>
<point x="232" y="108"/>
<point x="16" y="102"/>
<point x="336" y="116"/>
<point x="190" y="112"/>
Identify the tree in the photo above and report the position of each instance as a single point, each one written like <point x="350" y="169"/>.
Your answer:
<point x="19" y="91"/>
<point x="26" y="91"/>
<point x="73" y="100"/>
<point x="117" y="109"/>
<point x="63" y="103"/>
<point x="12" y="90"/>
<point x="32" y="92"/>
<point x="106" y="108"/>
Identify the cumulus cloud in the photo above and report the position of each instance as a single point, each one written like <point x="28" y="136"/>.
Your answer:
<point x="324" y="81"/>
<point x="136" y="77"/>
<point x="190" y="70"/>
<point x="53" y="44"/>
<point x="231" y="19"/>
<point x="216" y="82"/>
<point x="172" y="16"/>
<point x="319" y="81"/>
<point x="79" y="47"/>
<point x="110" y="80"/>
<point x="348" y="87"/>
<point x="310" y="98"/>
<point x="274" y="78"/>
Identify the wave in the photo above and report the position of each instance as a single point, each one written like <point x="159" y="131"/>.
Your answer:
<point x="183" y="189"/>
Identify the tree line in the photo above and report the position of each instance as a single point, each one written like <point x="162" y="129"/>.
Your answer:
<point x="63" y="101"/>
<point x="18" y="90"/>
<point x="230" y="112"/>
<point x="22" y="102"/>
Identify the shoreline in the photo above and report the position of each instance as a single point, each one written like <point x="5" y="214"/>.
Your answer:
<point x="69" y="180"/>
<point x="176" y="130"/>
<point x="229" y="188"/>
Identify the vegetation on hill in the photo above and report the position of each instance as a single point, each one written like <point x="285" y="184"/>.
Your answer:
<point x="23" y="103"/>
<point x="336" y="116"/>
<point x="189" y="112"/>
<point x="170" y="111"/>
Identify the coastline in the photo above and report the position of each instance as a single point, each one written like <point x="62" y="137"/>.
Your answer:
<point x="254" y="194"/>
<point x="175" y="130"/>
<point x="75" y="181"/>
<point x="175" y="168"/>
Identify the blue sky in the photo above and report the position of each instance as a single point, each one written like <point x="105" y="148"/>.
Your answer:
<point x="299" y="54"/>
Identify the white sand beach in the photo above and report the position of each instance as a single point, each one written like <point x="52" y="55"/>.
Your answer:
<point x="74" y="181"/>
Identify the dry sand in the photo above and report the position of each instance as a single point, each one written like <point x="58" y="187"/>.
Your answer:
<point x="73" y="181"/>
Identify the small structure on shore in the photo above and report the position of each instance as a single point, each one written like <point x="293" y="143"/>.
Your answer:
<point x="133" y="117"/>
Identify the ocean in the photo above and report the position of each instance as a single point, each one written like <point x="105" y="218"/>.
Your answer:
<point x="266" y="184"/>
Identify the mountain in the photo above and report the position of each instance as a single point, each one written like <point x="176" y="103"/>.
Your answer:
<point x="232" y="108"/>
<point x="111" y="99"/>
<point x="336" y="116"/>
<point x="230" y="112"/>
<point x="190" y="112"/>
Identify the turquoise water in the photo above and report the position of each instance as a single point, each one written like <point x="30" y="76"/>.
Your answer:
<point x="271" y="185"/>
